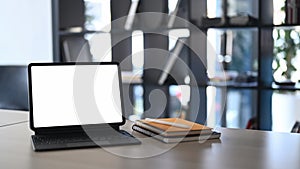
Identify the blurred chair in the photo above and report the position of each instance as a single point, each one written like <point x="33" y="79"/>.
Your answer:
<point x="13" y="87"/>
<point x="76" y="49"/>
<point x="252" y="124"/>
<point x="296" y="127"/>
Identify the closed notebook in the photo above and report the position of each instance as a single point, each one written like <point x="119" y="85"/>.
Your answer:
<point x="168" y="130"/>
<point x="177" y="139"/>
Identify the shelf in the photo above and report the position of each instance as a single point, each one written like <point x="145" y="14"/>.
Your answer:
<point x="69" y="33"/>
<point x="227" y="26"/>
<point x="235" y="85"/>
<point x="121" y="31"/>
<point x="282" y="26"/>
<point x="286" y="87"/>
<point x="248" y="26"/>
<point x="237" y="22"/>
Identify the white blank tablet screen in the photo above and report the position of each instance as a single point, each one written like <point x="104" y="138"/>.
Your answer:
<point x="67" y="95"/>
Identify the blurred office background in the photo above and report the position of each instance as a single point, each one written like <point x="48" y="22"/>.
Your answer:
<point x="243" y="83"/>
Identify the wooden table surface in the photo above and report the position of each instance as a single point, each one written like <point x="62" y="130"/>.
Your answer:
<point x="237" y="149"/>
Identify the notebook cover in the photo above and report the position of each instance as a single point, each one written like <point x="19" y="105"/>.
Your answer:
<point x="167" y="130"/>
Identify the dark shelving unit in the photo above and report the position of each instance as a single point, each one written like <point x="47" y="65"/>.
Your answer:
<point x="193" y="11"/>
<point x="264" y="46"/>
<point x="264" y="85"/>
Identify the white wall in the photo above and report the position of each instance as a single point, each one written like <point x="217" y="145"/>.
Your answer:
<point x="25" y="32"/>
<point x="285" y="111"/>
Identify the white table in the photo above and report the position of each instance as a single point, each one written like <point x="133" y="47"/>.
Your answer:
<point x="10" y="117"/>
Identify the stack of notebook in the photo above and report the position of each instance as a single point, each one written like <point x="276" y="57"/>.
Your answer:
<point x="172" y="130"/>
